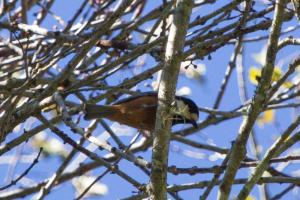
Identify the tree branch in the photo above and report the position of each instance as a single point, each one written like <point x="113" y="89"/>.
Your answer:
<point x="166" y="94"/>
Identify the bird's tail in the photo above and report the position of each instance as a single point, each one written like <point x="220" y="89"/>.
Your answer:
<point x="97" y="111"/>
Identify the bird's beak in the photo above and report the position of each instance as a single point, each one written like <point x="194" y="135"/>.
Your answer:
<point x="194" y="123"/>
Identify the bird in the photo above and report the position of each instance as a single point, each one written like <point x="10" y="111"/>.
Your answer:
<point x="139" y="111"/>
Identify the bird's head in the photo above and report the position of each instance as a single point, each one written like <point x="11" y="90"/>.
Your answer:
<point x="185" y="111"/>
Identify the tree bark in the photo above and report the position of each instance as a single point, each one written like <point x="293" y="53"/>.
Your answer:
<point x="166" y="93"/>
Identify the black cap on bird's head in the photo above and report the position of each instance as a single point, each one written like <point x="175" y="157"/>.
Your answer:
<point x="185" y="112"/>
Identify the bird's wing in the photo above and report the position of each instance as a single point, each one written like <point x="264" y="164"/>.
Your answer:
<point x="135" y="97"/>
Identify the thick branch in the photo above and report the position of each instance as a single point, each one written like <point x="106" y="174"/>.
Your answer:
<point x="256" y="106"/>
<point x="166" y="94"/>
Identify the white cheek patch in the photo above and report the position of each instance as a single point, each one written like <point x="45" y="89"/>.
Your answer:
<point x="182" y="109"/>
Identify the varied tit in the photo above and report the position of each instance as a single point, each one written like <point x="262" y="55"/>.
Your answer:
<point x="140" y="111"/>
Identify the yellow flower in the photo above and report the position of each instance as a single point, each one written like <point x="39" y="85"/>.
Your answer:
<point x="255" y="74"/>
<point x="287" y="84"/>
<point x="266" y="118"/>
<point x="250" y="198"/>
